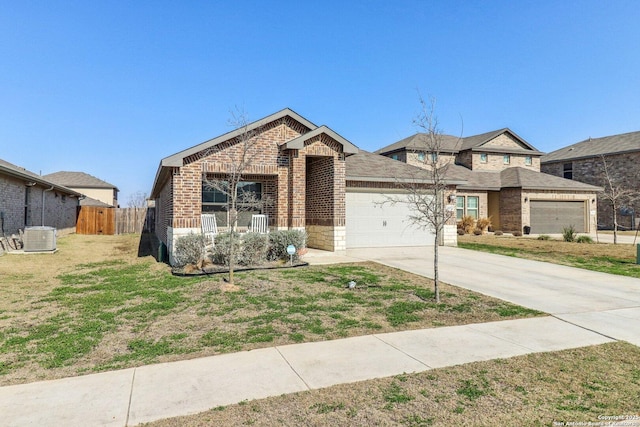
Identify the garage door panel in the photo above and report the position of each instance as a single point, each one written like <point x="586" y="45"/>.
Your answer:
<point x="551" y="216"/>
<point x="372" y="224"/>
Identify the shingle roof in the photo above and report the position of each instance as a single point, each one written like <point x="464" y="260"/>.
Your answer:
<point x="518" y="177"/>
<point x="88" y="201"/>
<point x="28" y="176"/>
<point x="77" y="180"/>
<point x="455" y="144"/>
<point x="365" y="166"/>
<point x="592" y="147"/>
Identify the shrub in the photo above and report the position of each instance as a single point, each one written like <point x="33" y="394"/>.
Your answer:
<point x="222" y="248"/>
<point x="517" y="233"/>
<point x="498" y="233"/>
<point x="467" y="223"/>
<point x="483" y="224"/>
<point x="544" y="237"/>
<point x="584" y="239"/>
<point x="279" y="240"/>
<point x="461" y="232"/>
<point x="477" y="231"/>
<point x="254" y="249"/>
<point x="569" y="234"/>
<point x="189" y="249"/>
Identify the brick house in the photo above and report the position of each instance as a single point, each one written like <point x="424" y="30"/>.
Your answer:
<point x="318" y="182"/>
<point x="504" y="182"/>
<point x="27" y="199"/>
<point x="97" y="191"/>
<point x="583" y="162"/>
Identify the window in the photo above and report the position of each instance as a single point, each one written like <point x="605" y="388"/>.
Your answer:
<point x="434" y="157"/>
<point x="483" y="158"/>
<point x="567" y="170"/>
<point x="421" y="157"/>
<point x="472" y="206"/>
<point x="527" y="161"/>
<point x="506" y="159"/>
<point x="459" y="207"/>
<point x="216" y="202"/>
<point x="467" y="206"/>
<point x="394" y="157"/>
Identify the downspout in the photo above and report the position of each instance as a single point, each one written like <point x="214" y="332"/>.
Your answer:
<point x="44" y="191"/>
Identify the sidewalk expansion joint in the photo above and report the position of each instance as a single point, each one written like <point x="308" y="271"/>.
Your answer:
<point x="293" y="369"/>
<point x="402" y="351"/>
<point x="585" y="328"/>
<point x="133" y="380"/>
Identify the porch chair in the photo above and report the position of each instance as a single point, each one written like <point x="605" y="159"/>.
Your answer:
<point x="259" y="224"/>
<point x="209" y="227"/>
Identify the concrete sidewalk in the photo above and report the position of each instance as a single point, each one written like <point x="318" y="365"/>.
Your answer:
<point x="132" y="396"/>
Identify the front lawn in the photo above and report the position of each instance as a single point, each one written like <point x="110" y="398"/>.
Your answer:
<point x="90" y="309"/>
<point x="604" y="257"/>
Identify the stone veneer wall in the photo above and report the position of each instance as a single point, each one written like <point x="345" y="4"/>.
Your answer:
<point x="623" y="169"/>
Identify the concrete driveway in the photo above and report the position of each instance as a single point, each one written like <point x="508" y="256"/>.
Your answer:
<point x="604" y="303"/>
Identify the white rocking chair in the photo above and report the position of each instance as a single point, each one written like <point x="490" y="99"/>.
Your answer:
<point x="209" y="227"/>
<point x="259" y="224"/>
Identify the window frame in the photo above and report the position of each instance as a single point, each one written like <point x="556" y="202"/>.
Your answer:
<point x="484" y="158"/>
<point x="220" y="204"/>
<point x="567" y="170"/>
<point x="528" y="161"/>
<point x="506" y="159"/>
<point x="466" y="209"/>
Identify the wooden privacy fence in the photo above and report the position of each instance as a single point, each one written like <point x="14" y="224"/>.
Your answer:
<point x="99" y="220"/>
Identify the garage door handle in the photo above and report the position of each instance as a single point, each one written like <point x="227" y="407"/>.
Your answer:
<point x="384" y="223"/>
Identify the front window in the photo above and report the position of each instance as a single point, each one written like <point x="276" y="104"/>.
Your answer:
<point x="216" y="201"/>
<point x="483" y="157"/>
<point x="434" y="157"/>
<point x="421" y="157"/>
<point x="506" y="159"/>
<point x="467" y="206"/>
<point x="567" y="170"/>
<point x="394" y="157"/>
<point x="527" y="161"/>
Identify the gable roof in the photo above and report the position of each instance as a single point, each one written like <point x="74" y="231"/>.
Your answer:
<point x="177" y="159"/>
<point x="365" y="166"/>
<point x="519" y="177"/>
<point x="455" y="144"/>
<point x="78" y="180"/>
<point x="27" y="176"/>
<point x="593" y="147"/>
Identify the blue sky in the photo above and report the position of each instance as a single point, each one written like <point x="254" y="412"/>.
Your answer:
<point x="111" y="87"/>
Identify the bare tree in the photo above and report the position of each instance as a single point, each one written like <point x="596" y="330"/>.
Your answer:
<point x="239" y="154"/>
<point x="616" y="194"/>
<point x="429" y="202"/>
<point x="138" y="200"/>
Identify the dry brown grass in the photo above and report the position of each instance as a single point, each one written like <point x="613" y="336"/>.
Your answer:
<point x="576" y="385"/>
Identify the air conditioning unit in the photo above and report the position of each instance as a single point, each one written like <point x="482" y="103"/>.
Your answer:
<point x="39" y="239"/>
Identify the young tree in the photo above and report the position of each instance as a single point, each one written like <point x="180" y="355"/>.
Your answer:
<point x="239" y="154"/>
<point x="429" y="202"/>
<point x="137" y="200"/>
<point x="616" y="193"/>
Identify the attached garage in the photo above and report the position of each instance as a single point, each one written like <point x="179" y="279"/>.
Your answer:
<point x="551" y="216"/>
<point x="370" y="223"/>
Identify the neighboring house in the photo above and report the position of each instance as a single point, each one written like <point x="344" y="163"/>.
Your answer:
<point x="318" y="182"/>
<point x="90" y="186"/>
<point x="28" y="199"/>
<point x="583" y="162"/>
<point x="504" y="182"/>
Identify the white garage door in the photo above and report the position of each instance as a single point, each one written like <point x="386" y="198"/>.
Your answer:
<point x="370" y="224"/>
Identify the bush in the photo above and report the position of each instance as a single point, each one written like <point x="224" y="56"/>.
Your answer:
<point x="477" y="232"/>
<point x="498" y="233"/>
<point x="254" y="249"/>
<point x="517" y="233"/>
<point x="584" y="239"/>
<point x="483" y="224"/>
<point x="569" y="234"/>
<point x="544" y="237"/>
<point x="279" y="240"/>
<point x="189" y="249"/>
<point x="467" y="223"/>
<point x="222" y="248"/>
<point x="461" y="232"/>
